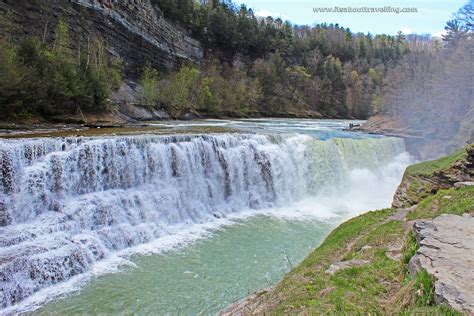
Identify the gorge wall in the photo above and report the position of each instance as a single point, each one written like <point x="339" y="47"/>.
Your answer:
<point x="134" y="30"/>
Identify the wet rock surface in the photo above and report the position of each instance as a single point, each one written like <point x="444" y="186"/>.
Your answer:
<point x="447" y="253"/>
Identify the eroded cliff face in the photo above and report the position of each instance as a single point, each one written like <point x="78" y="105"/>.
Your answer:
<point x="134" y="30"/>
<point x="417" y="186"/>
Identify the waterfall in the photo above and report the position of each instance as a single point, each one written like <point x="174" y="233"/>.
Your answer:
<point x="66" y="203"/>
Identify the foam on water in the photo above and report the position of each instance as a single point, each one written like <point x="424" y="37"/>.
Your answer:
<point x="73" y="208"/>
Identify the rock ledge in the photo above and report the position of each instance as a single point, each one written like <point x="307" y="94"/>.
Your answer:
<point x="447" y="253"/>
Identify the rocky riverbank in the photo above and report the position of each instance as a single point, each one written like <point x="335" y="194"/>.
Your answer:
<point x="388" y="261"/>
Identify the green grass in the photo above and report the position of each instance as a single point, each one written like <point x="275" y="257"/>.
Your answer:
<point x="416" y="297"/>
<point x="355" y="290"/>
<point x="418" y="190"/>
<point x="337" y="240"/>
<point x="419" y="178"/>
<point x="410" y="248"/>
<point x="441" y="310"/>
<point x="449" y="201"/>
<point x="381" y="287"/>
<point x="429" y="167"/>
<point x="425" y="285"/>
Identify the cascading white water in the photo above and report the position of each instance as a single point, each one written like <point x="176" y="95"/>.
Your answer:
<point x="67" y="203"/>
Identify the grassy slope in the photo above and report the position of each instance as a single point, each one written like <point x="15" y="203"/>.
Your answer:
<point x="381" y="287"/>
<point x="449" y="201"/>
<point x="430" y="167"/>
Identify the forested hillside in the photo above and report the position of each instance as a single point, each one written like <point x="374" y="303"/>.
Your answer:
<point x="251" y="66"/>
<point x="429" y="95"/>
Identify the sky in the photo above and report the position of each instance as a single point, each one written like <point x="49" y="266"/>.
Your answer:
<point x="431" y="15"/>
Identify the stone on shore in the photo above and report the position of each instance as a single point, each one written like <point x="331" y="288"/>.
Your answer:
<point x="460" y="185"/>
<point x="345" y="265"/>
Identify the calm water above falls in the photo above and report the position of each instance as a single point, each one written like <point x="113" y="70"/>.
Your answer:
<point x="192" y="222"/>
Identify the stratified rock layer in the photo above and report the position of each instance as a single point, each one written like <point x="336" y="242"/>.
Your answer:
<point x="135" y="31"/>
<point x="447" y="253"/>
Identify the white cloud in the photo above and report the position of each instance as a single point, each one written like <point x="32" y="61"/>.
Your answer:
<point x="407" y="30"/>
<point x="439" y="34"/>
<point x="265" y="13"/>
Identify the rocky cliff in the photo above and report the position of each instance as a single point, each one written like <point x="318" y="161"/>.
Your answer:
<point x="424" y="179"/>
<point x="134" y="30"/>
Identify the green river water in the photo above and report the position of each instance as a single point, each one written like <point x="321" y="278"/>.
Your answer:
<point x="204" y="277"/>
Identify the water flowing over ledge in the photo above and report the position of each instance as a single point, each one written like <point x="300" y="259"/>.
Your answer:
<point x="66" y="204"/>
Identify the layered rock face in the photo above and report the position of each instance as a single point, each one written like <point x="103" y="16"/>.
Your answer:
<point x="447" y="253"/>
<point x="134" y="30"/>
<point x="415" y="187"/>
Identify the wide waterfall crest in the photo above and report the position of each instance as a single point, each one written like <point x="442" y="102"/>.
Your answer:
<point x="67" y="203"/>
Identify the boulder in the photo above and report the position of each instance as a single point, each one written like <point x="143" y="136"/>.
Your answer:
<point x="129" y="101"/>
